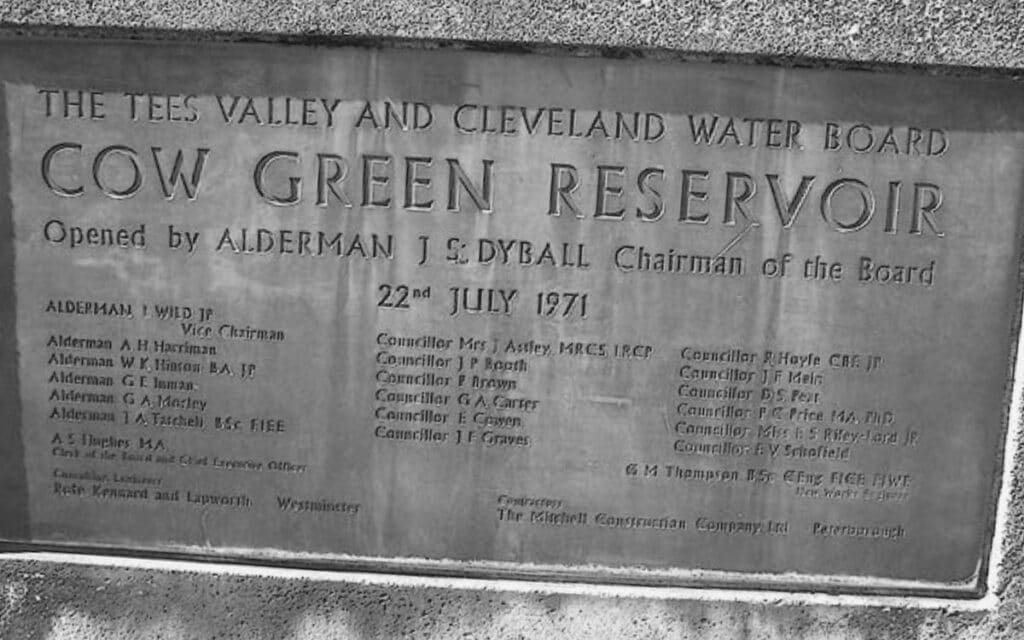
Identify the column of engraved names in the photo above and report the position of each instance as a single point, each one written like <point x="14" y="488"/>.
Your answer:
<point x="139" y="401"/>
<point x="778" y="418"/>
<point x="464" y="390"/>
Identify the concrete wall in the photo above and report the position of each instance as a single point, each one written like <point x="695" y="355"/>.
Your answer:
<point x="985" y="33"/>
<point x="83" y="598"/>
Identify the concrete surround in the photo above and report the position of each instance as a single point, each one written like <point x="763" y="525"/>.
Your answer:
<point x="85" y="598"/>
<point x="984" y="33"/>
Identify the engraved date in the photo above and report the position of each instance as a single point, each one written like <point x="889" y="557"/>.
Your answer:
<point x="399" y="296"/>
<point x="562" y="304"/>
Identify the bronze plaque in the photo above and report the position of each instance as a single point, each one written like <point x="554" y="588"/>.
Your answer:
<point x="480" y="314"/>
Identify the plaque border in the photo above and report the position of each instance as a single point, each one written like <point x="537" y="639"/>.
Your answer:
<point x="14" y="508"/>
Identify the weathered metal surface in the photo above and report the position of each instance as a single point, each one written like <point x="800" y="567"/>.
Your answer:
<point x="526" y="316"/>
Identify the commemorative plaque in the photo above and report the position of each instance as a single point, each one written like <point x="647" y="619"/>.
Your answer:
<point x="507" y="315"/>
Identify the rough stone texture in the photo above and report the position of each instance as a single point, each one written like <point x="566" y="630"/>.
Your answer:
<point x="81" y="602"/>
<point x="985" y="33"/>
<point x="75" y="603"/>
